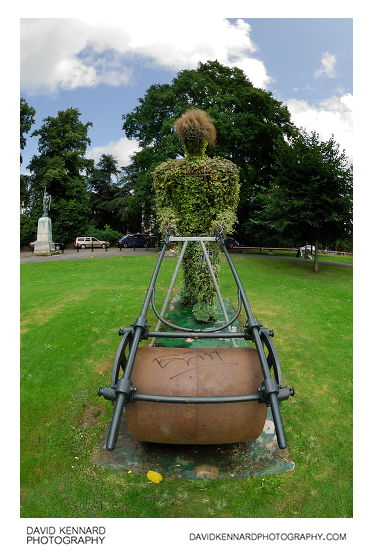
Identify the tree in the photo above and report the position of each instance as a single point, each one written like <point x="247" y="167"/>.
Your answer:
<point x="62" y="168"/>
<point x="102" y="192"/>
<point x="26" y="121"/>
<point x="248" y="120"/>
<point x="311" y="195"/>
<point x="113" y="202"/>
<point x="27" y="114"/>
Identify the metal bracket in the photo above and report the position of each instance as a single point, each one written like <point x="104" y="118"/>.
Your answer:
<point x="125" y="387"/>
<point x="266" y="331"/>
<point x="283" y="393"/>
<point x="141" y="322"/>
<point x="269" y="386"/>
<point x="250" y="324"/>
<point x="108" y="393"/>
<point x="123" y="330"/>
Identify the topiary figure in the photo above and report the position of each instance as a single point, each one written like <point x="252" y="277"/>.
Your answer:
<point x="194" y="195"/>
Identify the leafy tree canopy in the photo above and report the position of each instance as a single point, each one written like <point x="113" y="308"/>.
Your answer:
<point x="104" y="192"/>
<point x="311" y="195"/>
<point x="62" y="168"/>
<point x="103" y="173"/>
<point x="248" y="120"/>
<point x="27" y="114"/>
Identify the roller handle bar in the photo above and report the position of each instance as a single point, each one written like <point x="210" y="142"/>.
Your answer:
<point x="253" y="326"/>
<point x="124" y="390"/>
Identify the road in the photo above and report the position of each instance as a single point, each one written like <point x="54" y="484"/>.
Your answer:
<point x="71" y="254"/>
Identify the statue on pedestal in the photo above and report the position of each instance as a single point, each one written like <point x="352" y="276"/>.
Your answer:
<point x="194" y="195"/>
<point x="46" y="202"/>
<point x="44" y="243"/>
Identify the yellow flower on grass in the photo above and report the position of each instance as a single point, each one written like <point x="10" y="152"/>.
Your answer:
<point x="155" y="477"/>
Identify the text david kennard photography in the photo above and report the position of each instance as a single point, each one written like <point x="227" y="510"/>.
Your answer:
<point x="65" y="535"/>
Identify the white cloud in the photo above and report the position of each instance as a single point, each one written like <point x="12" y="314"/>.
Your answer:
<point x="331" y="116"/>
<point x="328" y="62"/>
<point x="68" y="53"/>
<point x="255" y="68"/>
<point x="71" y="73"/>
<point x="121" y="150"/>
<point x="50" y="57"/>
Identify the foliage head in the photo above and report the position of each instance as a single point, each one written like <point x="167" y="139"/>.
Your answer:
<point x="195" y="129"/>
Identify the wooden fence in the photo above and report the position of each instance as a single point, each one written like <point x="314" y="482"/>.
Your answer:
<point x="289" y="249"/>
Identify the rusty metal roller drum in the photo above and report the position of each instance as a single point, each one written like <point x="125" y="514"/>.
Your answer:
<point x="196" y="372"/>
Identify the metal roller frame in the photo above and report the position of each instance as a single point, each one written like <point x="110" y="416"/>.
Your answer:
<point x="121" y="391"/>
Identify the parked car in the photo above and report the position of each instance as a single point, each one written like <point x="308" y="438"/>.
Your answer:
<point x="230" y="242"/>
<point x="57" y="246"/>
<point x="134" y="240"/>
<point x="89" y="242"/>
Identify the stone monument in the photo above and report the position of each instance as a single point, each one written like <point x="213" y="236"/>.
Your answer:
<point x="44" y="243"/>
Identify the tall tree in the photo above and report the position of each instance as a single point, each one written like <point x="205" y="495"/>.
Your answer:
<point x="249" y="123"/>
<point x="27" y="114"/>
<point x="111" y="197"/>
<point x="103" y="189"/>
<point x="311" y="196"/>
<point x="62" y="168"/>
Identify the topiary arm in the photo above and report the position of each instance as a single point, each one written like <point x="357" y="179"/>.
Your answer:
<point x="226" y="186"/>
<point x="167" y="217"/>
<point x="226" y="218"/>
<point x="166" y="214"/>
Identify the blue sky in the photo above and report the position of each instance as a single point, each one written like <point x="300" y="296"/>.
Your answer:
<point x="103" y="67"/>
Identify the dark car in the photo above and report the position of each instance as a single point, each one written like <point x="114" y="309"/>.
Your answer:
<point x="134" y="240"/>
<point x="57" y="246"/>
<point x="230" y="242"/>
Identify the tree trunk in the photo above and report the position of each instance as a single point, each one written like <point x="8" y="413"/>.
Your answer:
<point x="316" y="263"/>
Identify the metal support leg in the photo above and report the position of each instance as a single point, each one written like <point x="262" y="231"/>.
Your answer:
<point x="211" y="270"/>
<point x="254" y="328"/>
<point x="165" y="304"/>
<point x="123" y="388"/>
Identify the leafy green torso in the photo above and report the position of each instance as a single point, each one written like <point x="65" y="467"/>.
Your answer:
<point x="197" y="191"/>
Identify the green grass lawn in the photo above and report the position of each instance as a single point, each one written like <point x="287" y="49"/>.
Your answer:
<point x="70" y="315"/>
<point x="292" y="254"/>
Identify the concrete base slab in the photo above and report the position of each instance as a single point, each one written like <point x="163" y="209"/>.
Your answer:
<point x="241" y="460"/>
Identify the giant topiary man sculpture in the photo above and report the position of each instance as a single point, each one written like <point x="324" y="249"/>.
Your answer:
<point x="194" y="195"/>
